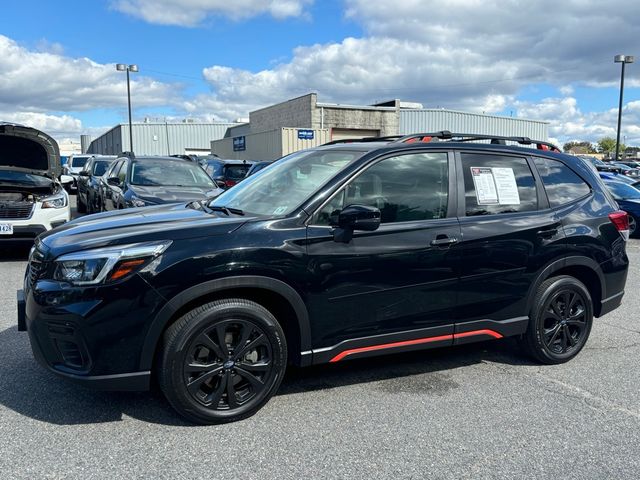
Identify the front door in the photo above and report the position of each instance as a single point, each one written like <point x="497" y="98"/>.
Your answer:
<point x="394" y="287"/>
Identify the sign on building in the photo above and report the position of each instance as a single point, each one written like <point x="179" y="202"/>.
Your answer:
<point x="239" y="144"/>
<point x="305" y="134"/>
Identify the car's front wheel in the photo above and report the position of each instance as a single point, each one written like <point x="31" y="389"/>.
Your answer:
<point x="223" y="361"/>
<point x="560" y="320"/>
<point x="633" y="226"/>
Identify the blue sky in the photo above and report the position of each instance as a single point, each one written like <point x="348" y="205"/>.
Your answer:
<point x="217" y="60"/>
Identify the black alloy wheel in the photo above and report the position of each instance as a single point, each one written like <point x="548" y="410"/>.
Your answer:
<point x="223" y="361"/>
<point x="561" y="320"/>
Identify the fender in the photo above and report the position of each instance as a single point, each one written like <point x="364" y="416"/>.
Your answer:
<point x="573" y="261"/>
<point x="265" y="283"/>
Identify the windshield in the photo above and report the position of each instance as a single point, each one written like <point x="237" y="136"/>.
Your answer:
<point x="100" y="167"/>
<point x="153" y="173"/>
<point x="283" y="187"/>
<point x="79" y="161"/>
<point x="622" y="191"/>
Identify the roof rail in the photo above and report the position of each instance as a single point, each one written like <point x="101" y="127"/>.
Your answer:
<point x="388" y="138"/>
<point x="471" y="137"/>
<point x="127" y="154"/>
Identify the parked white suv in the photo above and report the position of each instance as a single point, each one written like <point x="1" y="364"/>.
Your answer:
<point x="32" y="198"/>
<point x="73" y="168"/>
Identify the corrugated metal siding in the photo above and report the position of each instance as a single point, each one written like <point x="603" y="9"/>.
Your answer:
<point x="269" y="145"/>
<point x="291" y="143"/>
<point x="426" y="120"/>
<point x="159" y="138"/>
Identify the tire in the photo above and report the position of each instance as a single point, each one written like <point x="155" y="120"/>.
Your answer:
<point x="210" y="384"/>
<point x="80" y="206"/>
<point x="633" y="226"/>
<point x="556" y="334"/>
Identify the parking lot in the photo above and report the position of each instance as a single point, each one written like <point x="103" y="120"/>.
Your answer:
<point x="476" y="411"/>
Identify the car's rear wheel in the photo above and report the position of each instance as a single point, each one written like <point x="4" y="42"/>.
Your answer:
<point x="223" y="361"/>
<point x="560" y="320"/>
<point x="633" y="226"/>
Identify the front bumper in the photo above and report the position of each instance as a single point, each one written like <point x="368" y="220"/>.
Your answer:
<point x="41" y="220"/>
<point x="93" y="336"/>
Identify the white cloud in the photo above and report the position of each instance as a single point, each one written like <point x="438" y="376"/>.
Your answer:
<point x="45" y="81"/>
<point x="568" y="122"/>
<point x="55" y="125"/>
<point x="190" y="13"/>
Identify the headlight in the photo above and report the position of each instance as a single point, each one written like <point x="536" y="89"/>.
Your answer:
<point x="102" y="265"/>
<point x="58" y="200"/>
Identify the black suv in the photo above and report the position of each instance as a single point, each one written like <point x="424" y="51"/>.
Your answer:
<point x="88" y="182"/>
<point x="334" y="253"/>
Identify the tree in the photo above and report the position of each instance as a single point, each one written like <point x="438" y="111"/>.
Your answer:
<point x="607" y="145"/>
<point x="587" y="146"/>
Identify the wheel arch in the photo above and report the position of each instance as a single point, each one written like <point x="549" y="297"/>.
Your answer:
<point x="275" y="295"/>
<point x="584" y="269"/>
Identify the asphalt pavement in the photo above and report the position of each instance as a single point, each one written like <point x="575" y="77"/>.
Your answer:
<point x="479" y="411"/>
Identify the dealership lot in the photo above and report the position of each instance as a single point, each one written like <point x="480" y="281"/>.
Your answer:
<point x="477" y="411"/>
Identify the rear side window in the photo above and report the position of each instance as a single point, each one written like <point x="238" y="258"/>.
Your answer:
<point x="562" y="184"/>
<point x="497" y="184"/>
<point x="236" y="172"/>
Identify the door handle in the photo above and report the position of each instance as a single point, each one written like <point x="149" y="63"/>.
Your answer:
<point x="547" y="233"/>
<point x="443" y="241"/>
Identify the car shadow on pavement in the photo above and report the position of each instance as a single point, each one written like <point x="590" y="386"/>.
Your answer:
<point x="31" y="390"/>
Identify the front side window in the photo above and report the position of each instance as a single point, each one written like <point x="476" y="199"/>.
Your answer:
<point x="497" y="184"/>
<point x="561" y="183"/>
<point x="288" y="183"/>
<point x="100" y="167"/>
<point x="405" y="188"/>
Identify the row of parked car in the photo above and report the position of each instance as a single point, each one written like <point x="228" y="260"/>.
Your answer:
<point x="105" y="183"/>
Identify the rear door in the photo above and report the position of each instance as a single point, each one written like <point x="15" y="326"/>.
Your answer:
<point x="111" y="192"/>
<point x="508" y="234"/>
<point x="396" y="284"/>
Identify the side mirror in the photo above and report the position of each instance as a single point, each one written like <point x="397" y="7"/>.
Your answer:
<point x="114" y="181"/>
<point x="66" y="180"/>
<point x="352" y="218"/>
<point x="84" y="173"/>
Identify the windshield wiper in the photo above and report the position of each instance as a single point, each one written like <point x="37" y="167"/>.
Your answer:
<point x="227" y="210"/>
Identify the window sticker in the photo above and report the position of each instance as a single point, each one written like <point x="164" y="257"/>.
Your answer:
<point x="507" y="186"/>
<point x="280" y="210"/>
<point x="495" y="186"/>
<point x="485" y="186"/>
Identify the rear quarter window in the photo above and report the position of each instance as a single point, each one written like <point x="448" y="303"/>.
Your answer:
<point x="561" y="183"/>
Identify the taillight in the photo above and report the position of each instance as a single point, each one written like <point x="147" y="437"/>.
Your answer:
<point x="229" y="183"/>
<point x="621" y="220"/>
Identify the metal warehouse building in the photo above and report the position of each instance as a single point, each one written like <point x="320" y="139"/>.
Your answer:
<point x="303" y="122"/>
<point x="151" y="138"/>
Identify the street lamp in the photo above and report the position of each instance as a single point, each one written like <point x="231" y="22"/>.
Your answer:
<point x="121" y="67"/>
<point x="623" y="59"/>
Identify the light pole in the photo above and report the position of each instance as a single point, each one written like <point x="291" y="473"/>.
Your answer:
<point x="121" y="67"/>
<point x="623" y="59"/>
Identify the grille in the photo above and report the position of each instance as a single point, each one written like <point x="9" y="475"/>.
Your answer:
<point x="37" y="266"/>
<point x="15" y="210"/>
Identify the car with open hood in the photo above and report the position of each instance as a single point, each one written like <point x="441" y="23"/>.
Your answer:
<point x="32" y="197"/>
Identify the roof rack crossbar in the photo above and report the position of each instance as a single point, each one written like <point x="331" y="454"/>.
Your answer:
<point x="469" y="137"/>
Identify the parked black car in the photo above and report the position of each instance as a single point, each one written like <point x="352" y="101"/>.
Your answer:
<point x="88" y="182"/>
<point x="227" y="173"/>
<point x="628" y="199"/>
<point x="333" y="253"/>
<point x="599" y="165"/>
<point x="144" y="181"/>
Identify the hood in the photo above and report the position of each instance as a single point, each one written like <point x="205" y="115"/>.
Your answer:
<point x="28" y="150"/>
<point x="163" y="222"/>
<point x="174" y="194"/>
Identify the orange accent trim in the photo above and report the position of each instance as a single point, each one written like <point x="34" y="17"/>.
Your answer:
<point x="417" y="341"/>
<point x="473" y="333"/>
<point x="125" y="268"/>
